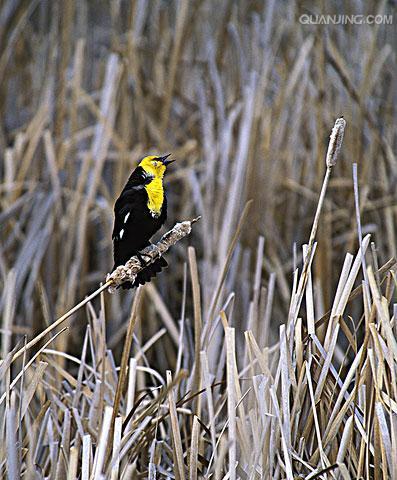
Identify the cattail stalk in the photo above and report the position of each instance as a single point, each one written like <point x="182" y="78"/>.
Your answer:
<point x="334" y="146"/>
<point x="123" y="273"/>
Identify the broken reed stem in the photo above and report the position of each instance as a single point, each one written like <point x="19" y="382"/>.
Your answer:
<point x="123" y="273"/>
<point x="367" y="297"/>
<point x="334" y="146"/>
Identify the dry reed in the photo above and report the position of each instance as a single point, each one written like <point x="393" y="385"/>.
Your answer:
<point x="268" y="350"/>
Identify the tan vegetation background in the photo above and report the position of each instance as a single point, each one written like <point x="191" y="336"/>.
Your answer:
<point x="244" y="97"/>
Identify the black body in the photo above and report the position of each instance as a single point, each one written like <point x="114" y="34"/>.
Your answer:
<point x="139" y="227"/>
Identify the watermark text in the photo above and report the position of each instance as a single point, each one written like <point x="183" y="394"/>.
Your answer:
<point x="341" y="19"/>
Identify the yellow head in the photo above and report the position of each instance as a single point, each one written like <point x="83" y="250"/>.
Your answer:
<point x="155" y="166"/>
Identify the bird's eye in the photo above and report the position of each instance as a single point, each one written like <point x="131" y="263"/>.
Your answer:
<point x="155" y="163"/>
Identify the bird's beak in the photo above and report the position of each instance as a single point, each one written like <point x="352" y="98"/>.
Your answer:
<point x="164" y="160"/>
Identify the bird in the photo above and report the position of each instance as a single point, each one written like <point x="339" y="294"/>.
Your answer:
<point x="139" y="212"/>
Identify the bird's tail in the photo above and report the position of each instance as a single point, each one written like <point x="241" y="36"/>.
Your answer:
<point x="147" y="273"/>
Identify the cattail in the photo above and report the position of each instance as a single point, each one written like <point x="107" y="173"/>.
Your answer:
<point x="128" y="272"/>
<point x="335" y="141"/>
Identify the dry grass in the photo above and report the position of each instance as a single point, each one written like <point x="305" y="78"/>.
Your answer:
<point x="253" y="356"/>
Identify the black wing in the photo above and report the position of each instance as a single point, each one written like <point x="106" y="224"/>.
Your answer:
<point x="137" y="181"/>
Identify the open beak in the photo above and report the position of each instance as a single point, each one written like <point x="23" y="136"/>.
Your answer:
<point x="164" y="160"/>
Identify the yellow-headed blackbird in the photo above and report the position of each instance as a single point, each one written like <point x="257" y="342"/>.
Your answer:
<point x="139" y="212"/>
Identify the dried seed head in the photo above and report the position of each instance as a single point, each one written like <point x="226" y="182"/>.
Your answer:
<point x="133" y="266"/>
<point x="335" y="141"/>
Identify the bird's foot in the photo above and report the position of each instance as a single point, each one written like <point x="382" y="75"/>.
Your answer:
<point x="141" y="259"/>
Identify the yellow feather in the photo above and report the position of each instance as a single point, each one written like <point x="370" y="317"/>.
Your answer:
<point x="155" y="188"/>
<point x="155" y="193"/>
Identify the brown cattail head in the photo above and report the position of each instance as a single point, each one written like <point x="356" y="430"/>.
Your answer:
<point x="335" y="141"/>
